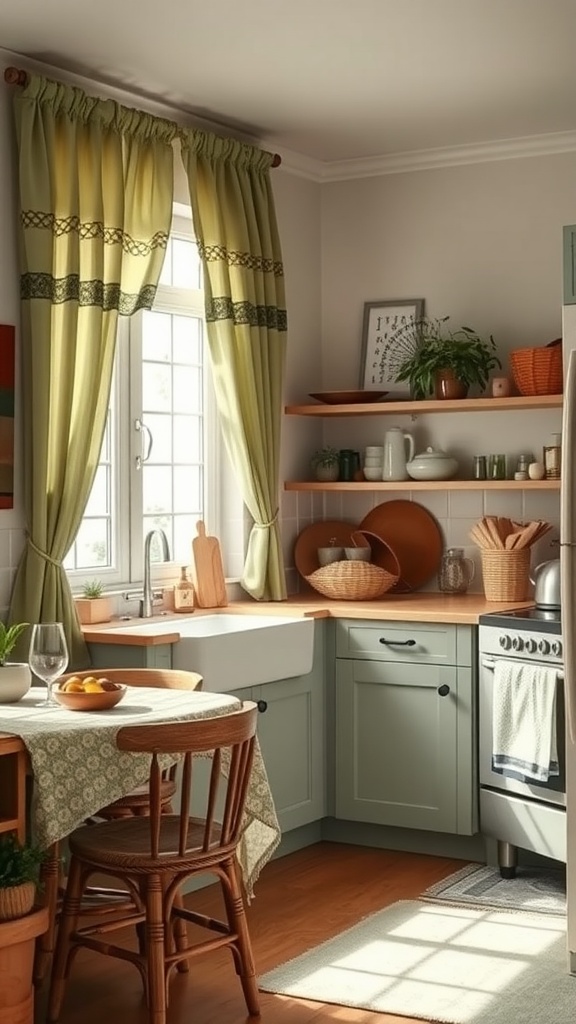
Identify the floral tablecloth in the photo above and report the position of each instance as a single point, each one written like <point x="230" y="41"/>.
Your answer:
<point x="78" y="768"/>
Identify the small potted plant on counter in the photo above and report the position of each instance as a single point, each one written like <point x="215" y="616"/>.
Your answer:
<point x="326" y="464"/>
<point x="444" y="362"/>
<point x="93" y="606"/>
<point x="15" y="676"/>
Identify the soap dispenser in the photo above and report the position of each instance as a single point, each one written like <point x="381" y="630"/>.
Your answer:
<point x="184" y="593"/>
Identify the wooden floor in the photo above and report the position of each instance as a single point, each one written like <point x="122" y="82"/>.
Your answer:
<point x="301" y="900"/>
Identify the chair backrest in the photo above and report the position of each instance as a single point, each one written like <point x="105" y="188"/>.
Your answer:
<point x="229" y="740"/>
<point x="162" y="678"/>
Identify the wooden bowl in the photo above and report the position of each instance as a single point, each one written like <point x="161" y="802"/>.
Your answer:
<point x="96" y="701"/>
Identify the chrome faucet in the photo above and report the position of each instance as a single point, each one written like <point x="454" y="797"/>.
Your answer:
<point x="147" y="602"/>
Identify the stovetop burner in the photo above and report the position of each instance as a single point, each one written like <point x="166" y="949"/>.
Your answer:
<point x="540" y="619"/>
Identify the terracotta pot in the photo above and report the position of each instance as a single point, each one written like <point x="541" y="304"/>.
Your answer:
<point x="93" y="609"/>
<point x="17" y="945"/>
<point x="447" y="385"/>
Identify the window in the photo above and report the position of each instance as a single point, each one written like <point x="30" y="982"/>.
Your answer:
<point x="159" y="463"/>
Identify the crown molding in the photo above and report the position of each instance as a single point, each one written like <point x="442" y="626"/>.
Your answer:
<point x="430" y="159"/>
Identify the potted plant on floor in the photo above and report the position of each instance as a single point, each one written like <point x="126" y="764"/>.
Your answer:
<point x="21" y="923"/>
<point x="15" y="676"/>
<point x="93" y="606"/>
<point x="442" y="361"/>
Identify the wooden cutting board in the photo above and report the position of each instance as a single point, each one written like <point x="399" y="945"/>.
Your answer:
<point x="208" y="571"/>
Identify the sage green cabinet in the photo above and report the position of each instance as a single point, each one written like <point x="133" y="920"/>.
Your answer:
<point x="405" y="726"/>
<point x="291" y="733"/>
<point x="130" y="655"/>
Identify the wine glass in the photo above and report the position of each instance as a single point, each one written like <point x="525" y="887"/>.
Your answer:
<point x="48" y="656"/>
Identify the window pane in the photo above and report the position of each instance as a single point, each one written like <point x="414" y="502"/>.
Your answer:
<point x="156" y="387"/>
<point x="155" y="523"/>
<point x="187" y="389"/>
<point x="157" y="336"/>
<point x="98" y="502"/>
<point x="166" y="275"/>
<point x="187" y="439"/>
<point x="187" y="489"/>
<point x="157" y="489"/>
<point x="92" y="544"/>
<point x="185" y="264"/>
<point x="187" y="334"/>
<point x="184" y="532"/>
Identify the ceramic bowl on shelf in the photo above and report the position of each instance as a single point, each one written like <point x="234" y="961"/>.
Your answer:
<point x="433" y="464"/>
<point x="372" y="472"/>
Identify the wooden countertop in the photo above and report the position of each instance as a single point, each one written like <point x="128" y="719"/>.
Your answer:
<point x="418" y="607"/>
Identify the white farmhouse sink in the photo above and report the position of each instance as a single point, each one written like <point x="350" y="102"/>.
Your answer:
<point x="234" y="651"/>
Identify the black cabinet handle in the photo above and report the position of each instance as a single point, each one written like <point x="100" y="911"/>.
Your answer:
<point x="444" y="690"/>
<point x="262" y="705"/>
<point x="397" y="643"/>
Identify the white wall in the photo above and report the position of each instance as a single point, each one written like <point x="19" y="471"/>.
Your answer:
<point x="482" y="244"/>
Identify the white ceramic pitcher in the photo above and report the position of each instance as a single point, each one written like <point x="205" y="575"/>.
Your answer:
<point x="398" y="450"/>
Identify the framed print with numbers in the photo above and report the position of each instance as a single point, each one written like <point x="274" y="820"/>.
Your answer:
<point x="381" y="321"/>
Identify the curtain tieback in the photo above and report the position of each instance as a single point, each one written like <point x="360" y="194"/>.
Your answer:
<point x="266" y="526"/>
<point x="43" y="554"/>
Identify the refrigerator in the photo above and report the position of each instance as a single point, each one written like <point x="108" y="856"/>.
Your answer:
<point x="568" y="572"/>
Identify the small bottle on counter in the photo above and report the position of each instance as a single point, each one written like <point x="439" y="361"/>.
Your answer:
<point x="184" y="593"/>
<point x="552" y="457"/>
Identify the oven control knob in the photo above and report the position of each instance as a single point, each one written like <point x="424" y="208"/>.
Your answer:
<point x="505" y="642"/>
<point x="518" y="643"/>
<point x="543" y="647"/>
<point x="531" y="646"/>
<point x="557" y="648"/>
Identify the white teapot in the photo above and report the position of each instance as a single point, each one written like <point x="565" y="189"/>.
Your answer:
<point x="433" y="464"/>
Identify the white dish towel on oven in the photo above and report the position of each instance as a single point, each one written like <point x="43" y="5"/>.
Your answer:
<point x="524" y="720"/>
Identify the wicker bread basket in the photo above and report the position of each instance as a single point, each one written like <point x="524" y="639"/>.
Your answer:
<point x="352" y="581"/>
<point x="17" y="901"/>
<point x="538" y="371"/>
<point x="506" y="574"/>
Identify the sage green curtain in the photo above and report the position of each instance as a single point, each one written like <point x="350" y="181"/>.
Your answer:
<point x="96" y="183"/>
<point x="235" y="224"/>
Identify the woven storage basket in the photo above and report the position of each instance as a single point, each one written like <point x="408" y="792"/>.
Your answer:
<point x="17" y="901"/>
<point x="506" y="574"/>
<point x="538" y="371"/>
<point x="352" y="581"/>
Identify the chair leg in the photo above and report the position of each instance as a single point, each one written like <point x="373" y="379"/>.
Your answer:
<point x="49" y="887"/>
<point x="236" y="911"/>
<point x="155" y="950"/>
<point x="68" y="924"/>
<point x="180" y="933"/>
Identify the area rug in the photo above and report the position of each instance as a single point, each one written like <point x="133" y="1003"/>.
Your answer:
<point x="540" y="890"/>
<point x="458" y="965"/>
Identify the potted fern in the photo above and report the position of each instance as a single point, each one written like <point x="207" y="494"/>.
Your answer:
<point x="93" y="606"/>
<point x="21" y="924"/>
<point x="326" y="464"/>
<point x="15" y="676"/>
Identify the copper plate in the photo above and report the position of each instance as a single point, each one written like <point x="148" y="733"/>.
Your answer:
<point x="382" y="554"/>
<point x="414" y="536"/>
<point x="347" y="397"/>
<point x="319" y="535"/>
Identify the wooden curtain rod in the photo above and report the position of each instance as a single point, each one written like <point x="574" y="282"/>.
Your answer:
<point x="15" y="76"/>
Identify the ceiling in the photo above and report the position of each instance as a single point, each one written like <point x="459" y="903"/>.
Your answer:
<point x="330" y="80"/>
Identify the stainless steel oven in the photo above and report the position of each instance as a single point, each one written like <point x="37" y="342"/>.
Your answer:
<point x="515" y="811"/>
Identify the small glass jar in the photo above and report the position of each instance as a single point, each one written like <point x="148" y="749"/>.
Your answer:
<point x="479" y="470"/>
<point x="349" y="462"/>
<point x="456" y="572"/>
<point x="552" y="457"/>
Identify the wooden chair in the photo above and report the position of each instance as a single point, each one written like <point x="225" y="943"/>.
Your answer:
<point x="157" y="854"/>
<point x="135" y="803"/>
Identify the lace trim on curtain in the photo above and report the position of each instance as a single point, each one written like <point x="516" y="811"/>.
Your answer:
<point x="223" y="308"/>
<point x="85" y="293"/>
<point x="93" y="229"/>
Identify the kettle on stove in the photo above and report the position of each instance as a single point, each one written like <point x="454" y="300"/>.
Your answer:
<point x="546" y="580"/>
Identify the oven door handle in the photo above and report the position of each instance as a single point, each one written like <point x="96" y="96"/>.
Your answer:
<point x="489" y="663"/>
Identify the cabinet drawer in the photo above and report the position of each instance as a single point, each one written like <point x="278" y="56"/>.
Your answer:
<point x="397" y="641"/>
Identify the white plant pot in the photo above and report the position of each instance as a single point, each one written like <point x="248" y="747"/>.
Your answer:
<point x="15" y="681"/>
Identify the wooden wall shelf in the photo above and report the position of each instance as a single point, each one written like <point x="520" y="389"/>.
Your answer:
<point x="517" y="403"/>
<point x="424" y="485"/>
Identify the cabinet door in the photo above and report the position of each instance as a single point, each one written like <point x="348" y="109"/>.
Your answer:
<point x="569" y="261"/>
<point x="291" y="735"/>
<point x="396" y="744"/>
<point x="130" y="655"/>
